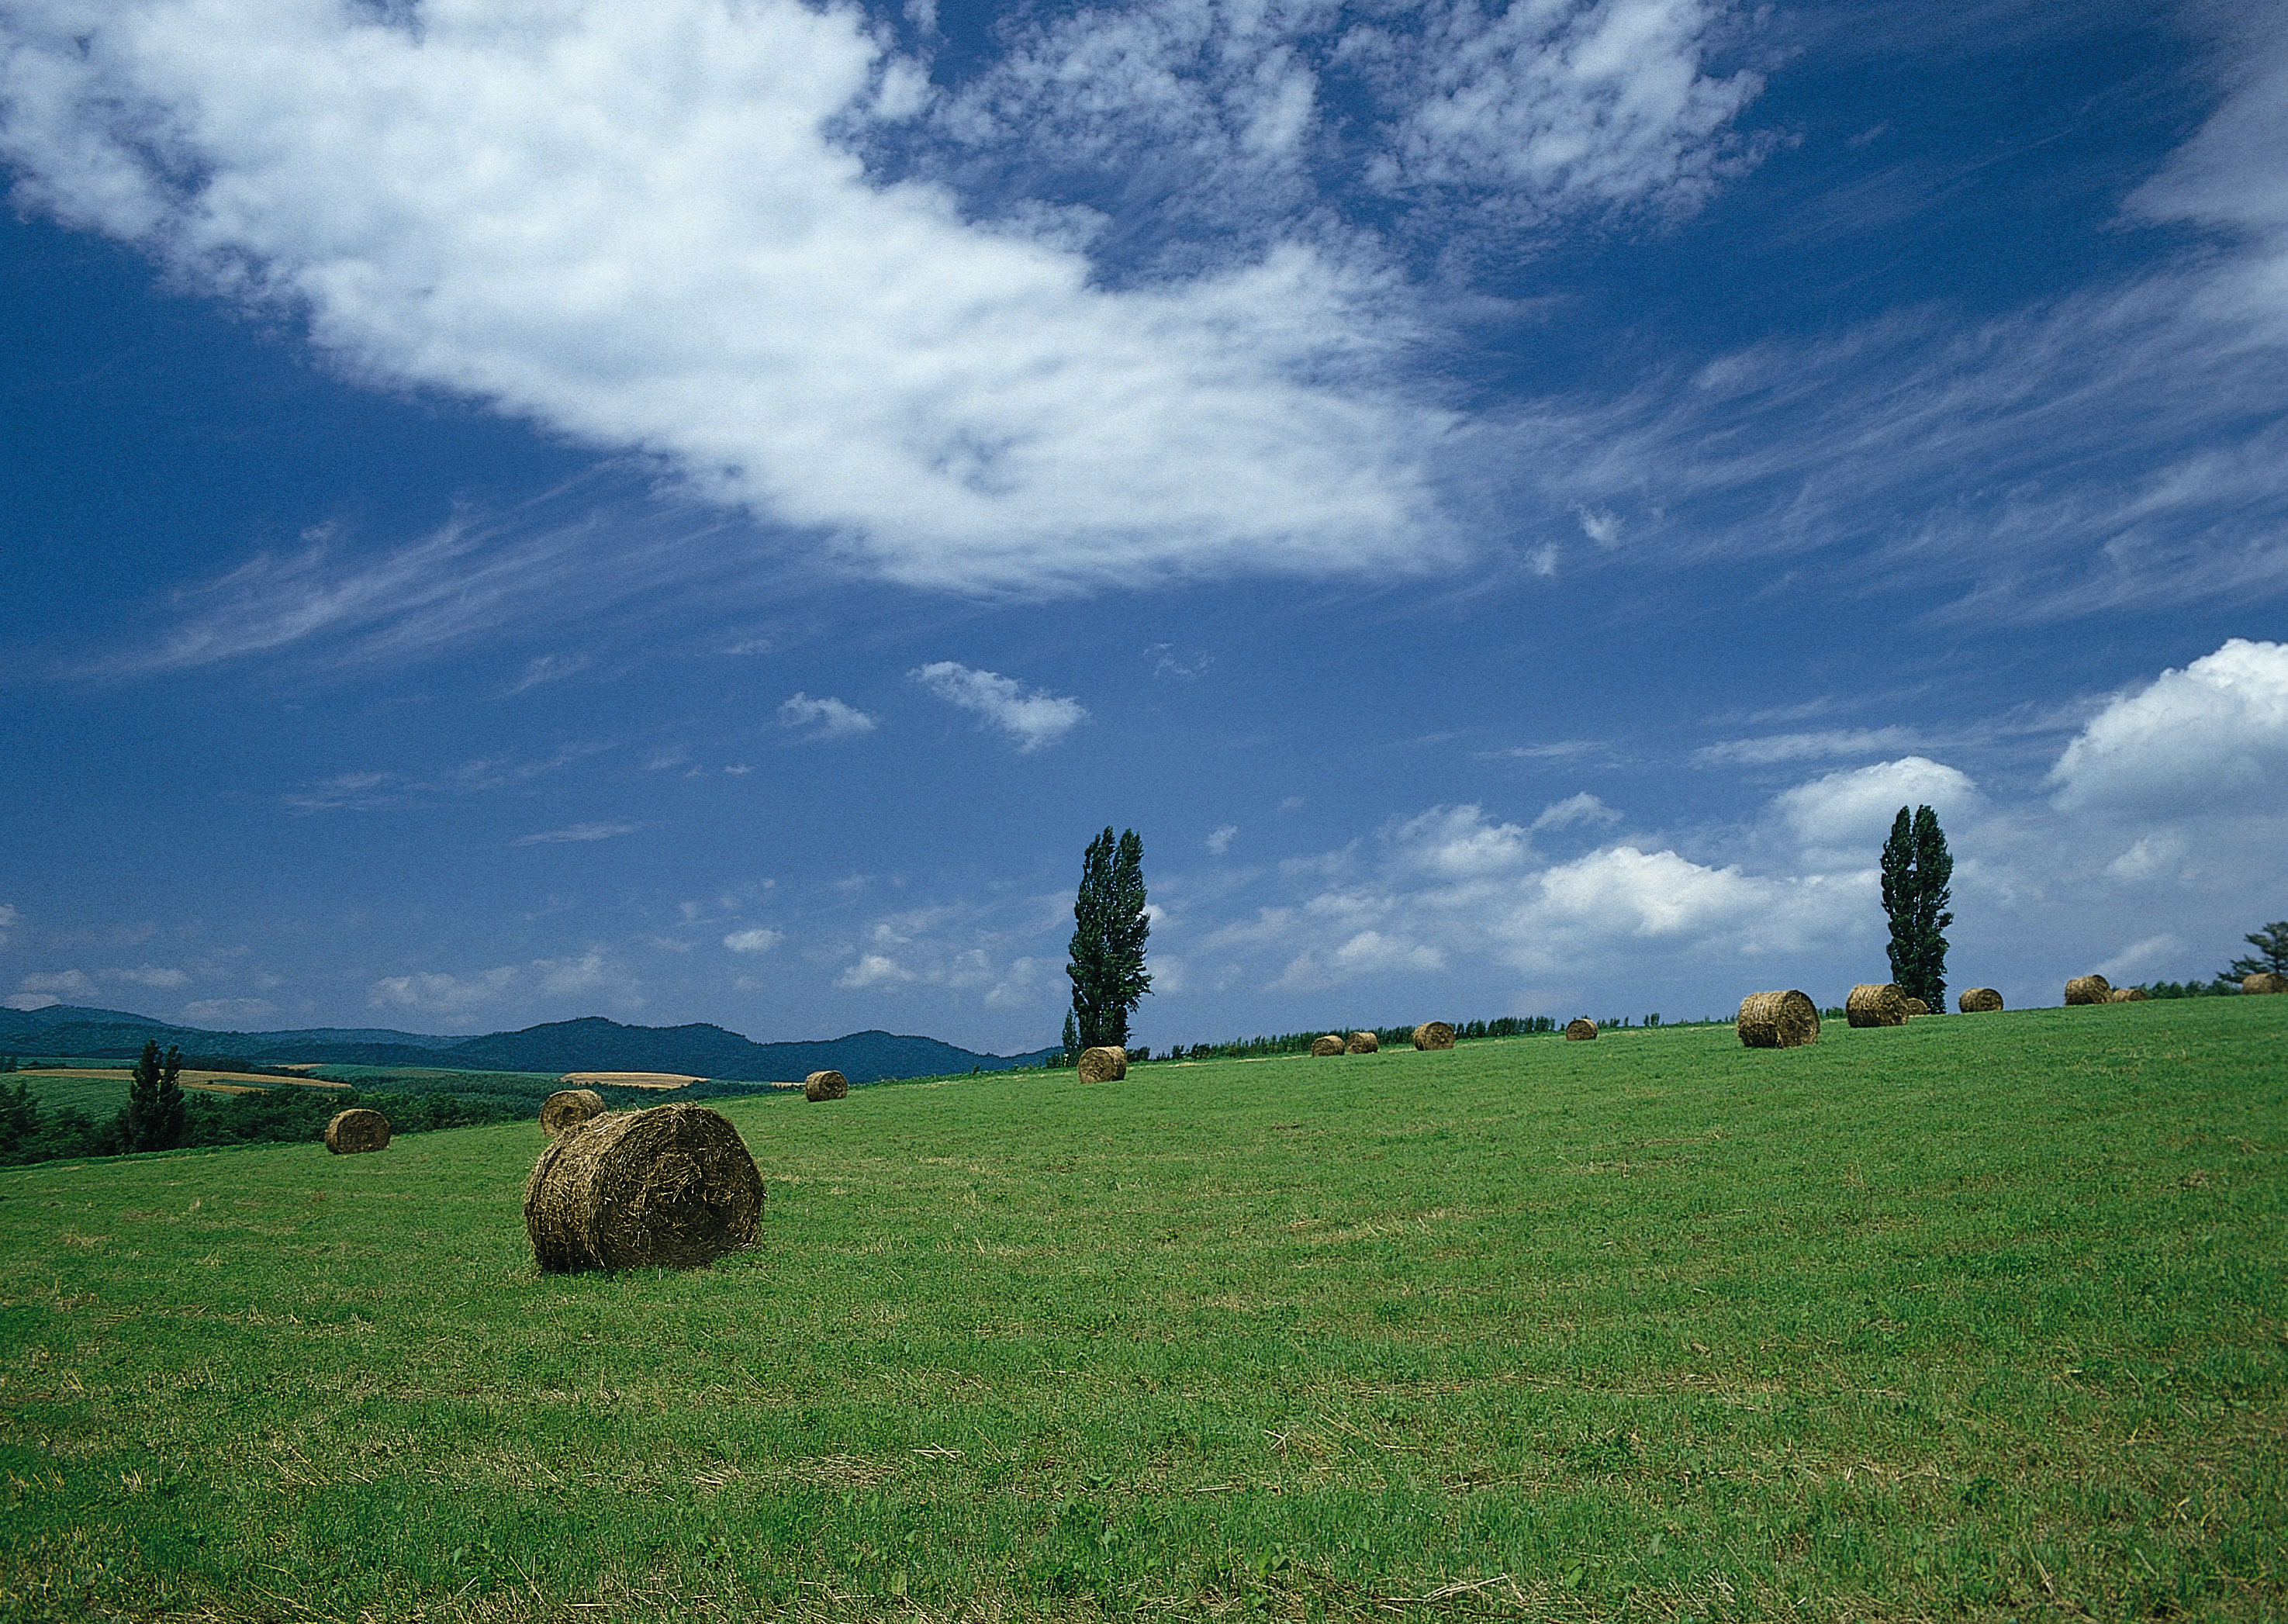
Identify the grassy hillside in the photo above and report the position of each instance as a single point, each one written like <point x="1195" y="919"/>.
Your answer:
<point x="1978" y="1315"/>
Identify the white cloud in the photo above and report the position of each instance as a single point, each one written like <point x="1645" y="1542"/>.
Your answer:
<point x="1032" y="718"/>
<point x="1582" y="808"/>
<point x="437" y="993"/>
<point x="2138" y="958"/>
<point x="1457" y="843"/>
<point x="874" y="970"/>
<point x="1822" y="744"/>
<point x="30" y="1000"/>
<point x="228" y="1011"/>
<point x="2152" y="857"/>
<point x="76" y="985"/>
<point x="825" y="719"/>
<point x="576" y="834"/>
<point x="149" y="975"/>
<point x="550" y="667"/>
<point x="1601" y="526"/>
<point x="1854" y="809"/>
<point x="1220" y="842"/>
<point x="588" y="973"/>
<point x="756" y="940"/>
<point x="2211" y="738"/>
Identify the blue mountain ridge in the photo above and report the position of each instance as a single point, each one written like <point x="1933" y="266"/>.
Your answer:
<point x="590" y="1044"/>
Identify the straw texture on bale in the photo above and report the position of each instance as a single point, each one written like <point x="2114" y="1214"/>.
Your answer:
<point x="1363" y="1043"/>
<point x="2125" y="994"/>
<point x="1876" y="1003"/>
<point x="1580" y="1030"/>
<point x="1330" y="1044"/>
<point x="825" y="1085"/>
<point x="1433" y="1035"/>
<point x="356" y="1130"/>
<point x="672" y="1186"/>
<point x="2089" y="989"/>
<point x="1978" y="1000"/>
<point x="568" y="1108"/>
<point x="1778" y="1020"/>
<point x="1916" y="1006"/>
<point x="2265" y="981"/>
<point x="1103" y="1064"/>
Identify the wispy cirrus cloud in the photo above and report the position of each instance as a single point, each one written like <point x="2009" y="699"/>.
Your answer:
<point x="576" y="834"/>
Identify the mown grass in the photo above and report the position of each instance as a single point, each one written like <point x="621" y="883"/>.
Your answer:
<point x="1978" y="1315"/>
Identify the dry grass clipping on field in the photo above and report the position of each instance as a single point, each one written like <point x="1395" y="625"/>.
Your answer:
<point x="2265" y="981"/>
<point x="1330" y="1044"/>
<point x="2089" y="989"/>
<point x="1876" y="1003"/>
<point x="1106" y="1064"/>
<point x="1433" y="1035"/>
<point x="672" y="1186"/>
<point x="1580" y="1030"/>
<point x="665" y="1082"/>
<point x="1778" y="1020"/>
<point x="568" y="1108"/>
<point x="1363" y="1043"/>
<point x="825" y="1085"/>
<point x="1978" y="1000"/>
<point x="356" y="1130"/>
<point x="2125" y="994"/>
<point x="1916" y="1006"/>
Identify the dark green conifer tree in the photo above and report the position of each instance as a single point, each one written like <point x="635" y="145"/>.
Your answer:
<point x="153" y="1120"/>
<point x="1917" y="884"/>
<point x="2271" y="945"/>
<point x="1110" y="928"/>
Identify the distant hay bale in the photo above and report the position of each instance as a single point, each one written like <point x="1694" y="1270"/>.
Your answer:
<point x="1103" y="1064"/>
<point x="1433" y="1035"/>
<point x="2125" y="994"/>
<point x="1363" y="1043"/>
<point x="1580" y="1030"/>
<point x="1778" y="1020"/>
<point x="1876" y="1003"/>
<point x="2089" y="989"/>
<point x="825" y="1085"/>
<point x="1916" y="1006"/>
<point x="357" y="1130"/>
<point x="2265" y="981"/>
<point x="1330" y="1044"/>
<point x="1978" y="1000"/>
<point x="568" y="1108"/>
<point x="672" y="1186"/>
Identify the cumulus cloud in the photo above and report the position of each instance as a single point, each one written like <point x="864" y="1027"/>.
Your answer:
<point x="874" y="970"/>
<point x="1219" y="841"/>
<point x="1457" y="843"/>
<point x="437" y="993"/>
<point x="756" y="940"/>
<point x="228" y="1011"/>
<point x="824" y="719"/>
<point x="576" y="834"/>
<point x="57" y="985"/>
<point x="2211" y="738"/>
<point x="30" y="1000"/>
<point x="1854" y="809"/>
<point x="1582" y="808"/>
<point x="1030" y="716"/>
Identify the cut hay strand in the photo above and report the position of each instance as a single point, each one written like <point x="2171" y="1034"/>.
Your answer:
<point x="1876" y="1003"/>
<point x="825" y="1085"/>
<point x="2089" y="989"/>
<point x="1433" y="1035"/>
<point x="1580" y="1030"/>
<point x="2265" y="981"/>
<point x="1330" y="1044"/>
<point x="1363" y="1043"/>
<point x="1916" y="1006"/>
<point x="1978" y="1000"/>
<point x="1107" y="1064"/>
<point x="672" y="1186"/>
<point x="1778" y="1020"/>
<point x="568" y="1108"/>
<point x="357" y="1130"/>
<point x="2125" y="994"/>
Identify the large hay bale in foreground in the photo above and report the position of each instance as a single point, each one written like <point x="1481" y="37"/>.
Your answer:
<point x="1778" y="1020"/>
<point x="2125" y="994"/>
<point x="1103" y="1064"/>
<point x="2089" y="989"/>
<point x="357" y="1130"/>
<point x="2265" y="981"/>
<point x="1876" y="1003"/>
<point x="567" y="1109"/>
<point x="1580" y="1029"/>
<point x="1916" y="1006"/>
<point x="1330" y="1044"/>
<point x="1433" y="1035"/>
<point x="825" y="1085"/>
<point x="672" y="1186"/>
<point x="1363" y="1043"/>
<point x="1978" y="1000"/>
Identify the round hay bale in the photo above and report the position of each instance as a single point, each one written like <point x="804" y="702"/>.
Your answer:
<point x="1363" y="1043"/>
<point x="567" y="1109"/>
<point x="2125" y="994"/>
<point x="2265" y="981"/>
<point x="1876" y="1003"/>
<point x="1916" y="1006"/>
<point x="1580" y="1030"/>
<point x="1433" y="1035"/>
<point x="1978" y="1000"/>
<point x="357" y="1130"/>
<point x="2089" y="989"/>
<point x="1778" y="1020"/>
<point x="825" y="1085"/>
<point x="1330" y="1044"/>
<point x="1103" y="1064"/>
<point x="672" y="1186"/>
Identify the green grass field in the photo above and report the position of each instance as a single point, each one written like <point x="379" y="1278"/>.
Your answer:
<point x="1982" y="1315"/>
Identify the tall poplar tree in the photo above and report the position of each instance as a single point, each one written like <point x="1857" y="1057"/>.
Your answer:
<point x="153" y="1120"/>
<point x="1917" y="884"/>
<point x="1109" y="927"/>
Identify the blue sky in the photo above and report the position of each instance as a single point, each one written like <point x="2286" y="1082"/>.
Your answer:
<point x="519" y="509"/>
